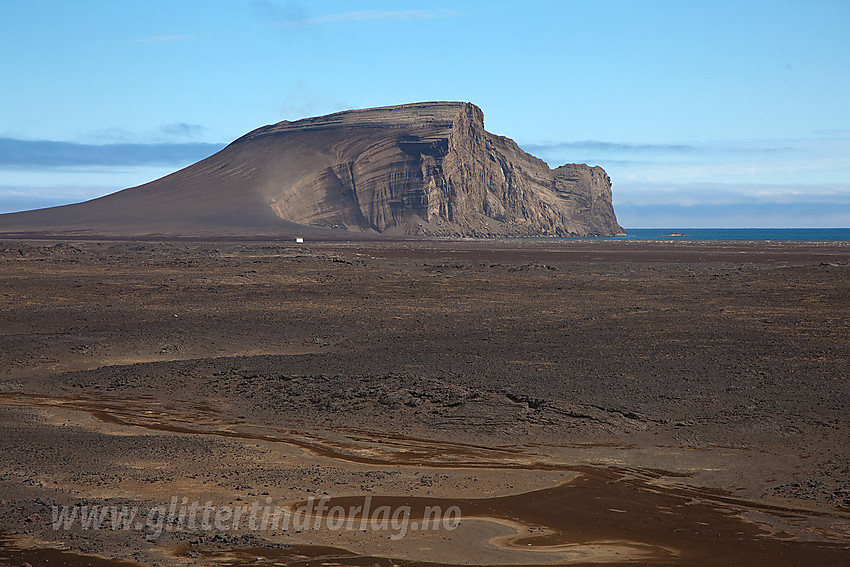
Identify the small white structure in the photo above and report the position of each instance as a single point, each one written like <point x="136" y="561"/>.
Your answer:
<point x="299" y="240"/>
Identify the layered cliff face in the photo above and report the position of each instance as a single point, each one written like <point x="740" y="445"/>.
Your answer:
<point x="432" y="169"/>
<point x="417" y="169"/>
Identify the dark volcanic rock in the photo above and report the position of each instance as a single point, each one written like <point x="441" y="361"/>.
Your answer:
<point x="417" y="169"/>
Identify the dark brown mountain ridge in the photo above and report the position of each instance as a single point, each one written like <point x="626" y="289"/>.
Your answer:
<point x="428" y="169"/>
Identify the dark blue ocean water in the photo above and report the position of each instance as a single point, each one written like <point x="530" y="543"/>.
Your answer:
<point x="758" y="234"/>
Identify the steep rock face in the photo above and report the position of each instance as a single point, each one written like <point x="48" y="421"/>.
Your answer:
<point x="416" y="169"/>
<point x="436" y="171"/>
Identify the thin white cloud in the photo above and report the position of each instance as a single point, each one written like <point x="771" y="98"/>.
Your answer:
<point x="369" y="15"/>
<point x="40" y="154"/>
<point x="752" y="215"/>
<point x="693" y="194"/>
<point x="302" y="101"/>
<point x="609" y="147"/>
<point x="162" y="39"/>
<point x="25" y="189"/>
<point x="182" y="130"/>
<point x="800" y="170"/>
<point x="754" y="161"/>
<point x="166" y="133"/>
<point x="833" y="132"/>
<point x="387" y="15"/>
<point x="66" y="192"/>
<point x="732" y="205"/>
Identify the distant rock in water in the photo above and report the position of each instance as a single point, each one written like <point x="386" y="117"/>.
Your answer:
<point x="425" y="169"/>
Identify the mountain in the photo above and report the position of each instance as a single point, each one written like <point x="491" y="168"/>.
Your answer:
<point x="425" y="169"/>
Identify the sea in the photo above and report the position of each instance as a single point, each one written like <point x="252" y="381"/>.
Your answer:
<point x="739" y="234"/>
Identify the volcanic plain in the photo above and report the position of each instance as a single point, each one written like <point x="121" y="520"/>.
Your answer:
<point x="585" y="401"/>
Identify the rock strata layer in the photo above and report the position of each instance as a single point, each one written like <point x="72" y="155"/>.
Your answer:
<point x="427" y="169"/>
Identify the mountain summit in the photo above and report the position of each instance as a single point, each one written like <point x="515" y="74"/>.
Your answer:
<point x="417" y="169"/>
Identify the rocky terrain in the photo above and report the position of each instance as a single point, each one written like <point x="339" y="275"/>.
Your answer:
<point x="416" y="169"/>
<point x="582" y="402"/>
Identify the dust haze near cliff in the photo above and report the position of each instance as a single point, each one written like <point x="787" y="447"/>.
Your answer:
<point x="427" y="169"/>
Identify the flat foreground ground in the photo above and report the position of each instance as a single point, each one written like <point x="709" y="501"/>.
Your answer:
<point x="572" y="402"/>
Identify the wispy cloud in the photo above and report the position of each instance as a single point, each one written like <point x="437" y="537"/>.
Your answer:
<point x="276" y="13"/>
<point x="301" y="101"/>
<point x="48" y="192"/>
<point x="720" y="183"/>
<point x="162" y="39"/>
<point x="732" y="205"/>
<point x="365" y="15"/>
<point x="780" y="160"/>
<point x="174" y="132"/>
<point x="690" y="194"/>
<point x="47" y="154"/>
<point x="608" y="147"/>
<point x="720" y="147"/>
<point x="14" y="199"/>
<point x="833" y="132"/>
<point x="182" y="130"/>
<point x="293" y="16"/>
<point x="751" y="215"/>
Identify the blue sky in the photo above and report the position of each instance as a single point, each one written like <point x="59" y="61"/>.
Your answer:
<point x="703" y="113"/>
